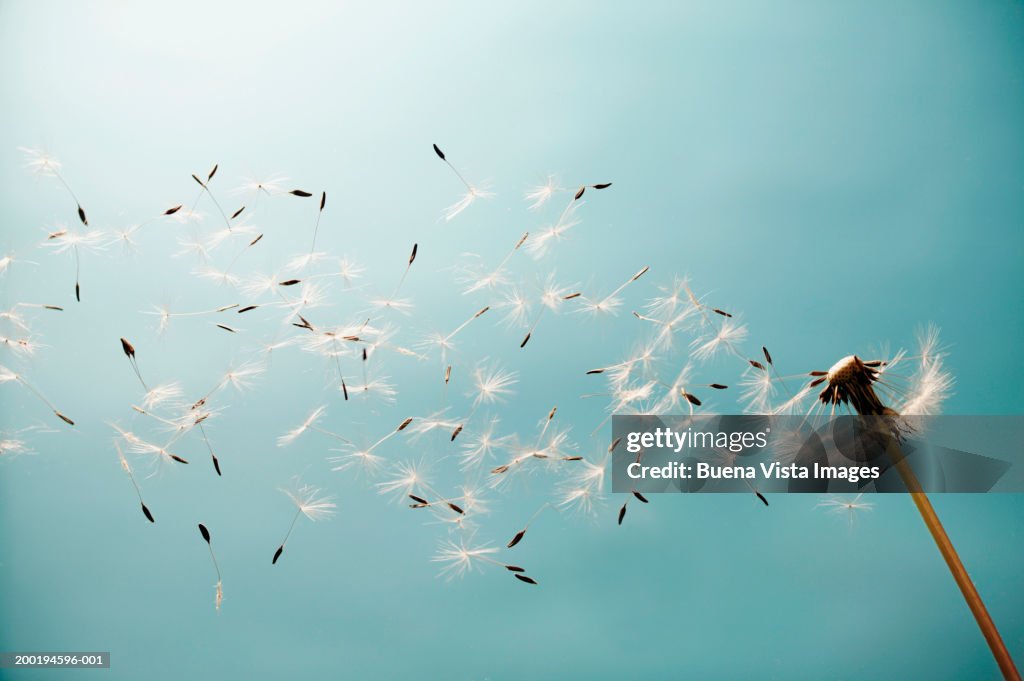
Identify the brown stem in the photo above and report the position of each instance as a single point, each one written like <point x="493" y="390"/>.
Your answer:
<point x="956" y="566"/>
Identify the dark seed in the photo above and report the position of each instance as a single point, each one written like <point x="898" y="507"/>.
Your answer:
<point x="440" y="154"/>
<point x="205" y="532"/>
<point x="516" y="539"/>
<point x="149" y="516"/>
<point x="524" y="578"/>
<point x="277" y="554"/>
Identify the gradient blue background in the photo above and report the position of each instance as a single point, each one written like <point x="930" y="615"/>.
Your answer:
<point x="841" y="173"/>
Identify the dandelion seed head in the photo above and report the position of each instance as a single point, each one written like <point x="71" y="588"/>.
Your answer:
<point x="310" y="502"/>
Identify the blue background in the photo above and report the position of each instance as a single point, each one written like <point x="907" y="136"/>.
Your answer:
<point x="840" y="173"/>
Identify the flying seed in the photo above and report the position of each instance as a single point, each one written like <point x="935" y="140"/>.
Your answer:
<point x="516" y="539"/>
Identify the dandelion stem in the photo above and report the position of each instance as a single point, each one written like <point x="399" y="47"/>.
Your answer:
<point x="953" y="562"/>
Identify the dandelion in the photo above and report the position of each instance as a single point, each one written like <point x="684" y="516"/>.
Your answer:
<point x="610" y="303"/>
<point x="161" y="454"/>
<point x="43" y="164"/>
<point x="538" y="196"/>
<point x="206" y="190"/>
<point x="851" y="382"/>
<point x="161" y="394"/>
<point x="473" y="192"/>
<point x="850" y="507"/>
<point x="64" y="239"/>
<point x="365" y="458"/>
<point x="6" y="375"/>
<point x="219" y="597"/>
<point x="492" y="384"/>
<point x="308" y="502"/>
<point x="726" y="337"/>
<point x="482" y="446"/>
<point x="458" y="559"/>
<point x="518" y="536"/>
<point x="551" y="298"/>
<point x="131" y="476"/>
<point x="270" y="185"/>
<point x="11" y="447"/>
<point x="294" y="434"/>
<point x="543" y="240"/>
<point x="495" y="278"/>
<point x="129" y="351"/>
<point x="165" y="314"/>
<point x="241" y="378"/>
<point x="517" y="307"/>
<point x="393" y="302"/>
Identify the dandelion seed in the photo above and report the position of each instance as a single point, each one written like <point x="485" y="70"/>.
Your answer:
<point x="219" y="598"/>
<point x="41" y="163"/>
<point x="131" y="476"/>
<point x="206" y="190"/>
<point x="308" y="502"/>
<point x="518" y="537"/>
<point x="539" y="196"/>
<point x="472" y="192"/>
<point x="7" y="375"/>
<point x="850" y="507"/>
